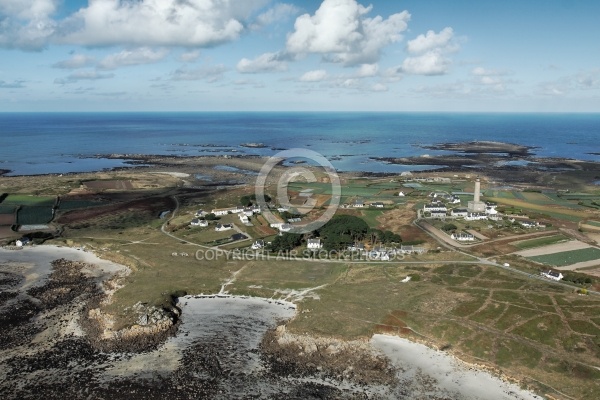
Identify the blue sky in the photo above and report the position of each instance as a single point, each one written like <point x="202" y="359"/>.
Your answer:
<point x="262" y="55"/>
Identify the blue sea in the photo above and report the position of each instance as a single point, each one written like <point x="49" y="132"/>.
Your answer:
<point x="41" y="143"/>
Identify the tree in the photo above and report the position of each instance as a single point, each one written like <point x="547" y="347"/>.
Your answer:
<point x="249" y="199"/>
<point x="342" y="230"/>
<point x="286" y="242"/>
<point x="210" y="217"/>
<point x="449" y="227"/>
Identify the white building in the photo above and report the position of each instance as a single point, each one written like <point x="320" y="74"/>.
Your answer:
<point x="223" y="227"/>
<point x="557" y="276"/>
<point x="459" y="212"/>
<point x="463" y="237"/>
<point x="244" y="218"/>
<point x="314" y="244"/>
<point x="199" y="222"/>
<point x="475" y="216"/>
<point x="437" y="206"/>
<point x="258" y="244"/>
<point x="225" y="211"/>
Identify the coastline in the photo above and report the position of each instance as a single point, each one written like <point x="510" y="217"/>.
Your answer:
<point x="239" y="323"/>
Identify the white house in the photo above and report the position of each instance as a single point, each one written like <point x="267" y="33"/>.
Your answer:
<point x="401" y="194"/>
<point x="223" y="227"/>
<point x="225" y="211"/>
<point x="438" y="214"/>
<point x="358" y="203"/>
<point x="527" y="224"/>
<point x="476" y="216"/>
<point x="285" y="228"/>
<point x="463" y="237"/>
<point x="437" y="206"/>
<point x="377" y="204"/>
<point x="360" y="247"/>
<point x="244" y="218"/>
<point x="258" y="244"/>
<point x="459" y="212"/>
<point x="201" y="213"/>
<point x="314" y="244"/>
<point x="199" y="222"/>
<point x="557" y="276"/>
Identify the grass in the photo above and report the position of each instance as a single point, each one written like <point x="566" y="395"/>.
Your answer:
<point x="27" y="200"/>
<point x="539" y="242"/>
<point x="560" y="213"/>
<point x="32" y="215"/>
<point x="568" y="257"/>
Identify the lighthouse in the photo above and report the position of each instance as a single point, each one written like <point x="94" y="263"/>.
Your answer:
<point x="476" y="206"/>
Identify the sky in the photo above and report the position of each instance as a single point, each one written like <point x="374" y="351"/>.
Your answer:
<point x="300" y="55"/>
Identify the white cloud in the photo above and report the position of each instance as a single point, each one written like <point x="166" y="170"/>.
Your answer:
<point x="159" y="22"/>
<point x="279" y="12"/>
<point x="26" y="24"/>
<point x="76" y="61"/>
<point x="142" y="55"/>
<point x="268" y="62"/>
<point x="340" y="32"/>
<point x="211" y="73"/>
<point x="379" y="87"/>
<point x="428" y="53"/>
<point x="431" y="41"/>
<point x="367" y="70"/>
<point x="493" y="79"/>
<point x="430" y="63"/>
<point x="83" y="76"/>
<point x="314" y="76"/>
<point x="190" y="56"/>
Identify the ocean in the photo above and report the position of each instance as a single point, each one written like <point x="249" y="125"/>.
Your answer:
<point x="41" y="143"/>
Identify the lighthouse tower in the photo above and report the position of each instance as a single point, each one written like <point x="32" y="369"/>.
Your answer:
<point x="476" y="205"/>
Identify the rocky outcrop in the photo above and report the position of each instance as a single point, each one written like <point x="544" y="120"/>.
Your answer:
<point x="299" y="355"/>
<point x="153" y="326"/>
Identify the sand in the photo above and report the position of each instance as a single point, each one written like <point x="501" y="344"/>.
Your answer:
<point x="450" y="374"/>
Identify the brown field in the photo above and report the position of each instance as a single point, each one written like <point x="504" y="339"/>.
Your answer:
<point x="6" y="232"/>
<point x="7" y="219"/>
<point x="153" y="205"/>
<point x="115" y="184"/>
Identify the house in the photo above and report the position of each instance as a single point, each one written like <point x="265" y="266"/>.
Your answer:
<point x="401" y="194"/>
<point x="377" y="204"/>
<point x="358" y="203"/>
<point x="314" y="244"/>
<point x="285" y="228"/>
<point x="223" y="227"/>
<point x="201" y="213"/>
<point x="276" y="225"/>
<point x="199" y="222"/>
<point x="476" y="216"/>
<point x="463" y="237"/>
<point x="24" y="241"/>
<point x="244" y="218"/>
<point x="436" y="206"/>
<point x="527" y="224"/>
<point x="256" y="209"/>
<point x="556" y="276"/>
<point x="454" y="200"/>
<point x="238" y="236"/>
<point x="258" y="244"/>
<point x="360" y="247"/>
<point x="438" y="214"/>
<point x="283" y="209"/>
<point x="459" y="212"/>
<point x="225" y="211"/>
<point x="248" y="212"/>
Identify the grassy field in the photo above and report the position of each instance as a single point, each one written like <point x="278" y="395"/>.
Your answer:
<point x="539" y="242"/>
<point x="560" y="213"/>
<point x="26" y="200"/>
<point x="568" y="257"/>
<point x="543" y="334"/>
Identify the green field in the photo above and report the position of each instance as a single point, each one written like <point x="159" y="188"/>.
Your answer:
<point x="26" y="200"/>
<point x="29" y="215"/>
<point x="568" y="257"/>
<point x="544" y="241"/>
<point x="593" y="223"/>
